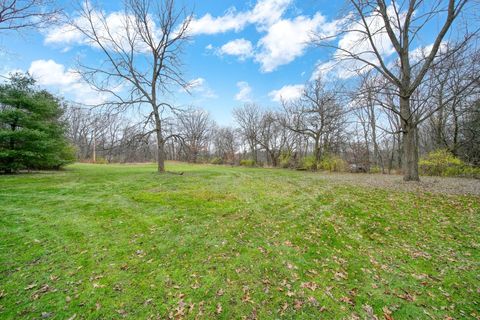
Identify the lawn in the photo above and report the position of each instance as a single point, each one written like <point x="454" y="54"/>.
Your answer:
<point x="120" y="241"/>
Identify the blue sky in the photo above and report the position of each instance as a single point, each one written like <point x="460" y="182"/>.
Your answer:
<point x="221" y="74"/>
<point x="241" y="51"/>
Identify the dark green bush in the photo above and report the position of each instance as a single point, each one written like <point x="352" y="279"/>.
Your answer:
<point x="32" y="136"/>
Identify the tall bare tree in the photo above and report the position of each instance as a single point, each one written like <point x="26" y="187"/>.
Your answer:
<point x="141" y="58"/>
<point x="401" y="22"/>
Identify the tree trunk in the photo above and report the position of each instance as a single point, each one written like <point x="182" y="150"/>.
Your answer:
<point x="160" y="142"/>
<point x="410" y="148"/>
<point x="160" y="154"/>
<point x="318" y="150"/>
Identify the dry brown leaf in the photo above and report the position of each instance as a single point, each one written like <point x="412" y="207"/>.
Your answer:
<point x="347" y="300"/>
<point x="369" y="311"/>
<point x="298" y="304"/>
<point x="309" y="285"/>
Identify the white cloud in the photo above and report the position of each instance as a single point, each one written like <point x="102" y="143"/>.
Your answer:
<point x="284" y="41"/>
<point x="239" y="47"/>
<point x="420" y="53"/>
<point x="211" y="25"/>
<point x="64" y="34"/>
<point x="199" y="86"/>
<point x="244" y="93"/>
<point x="50" y="74"/>
<point x="287" y="93"/>
<point x="288" y="39"/>
<point x="263" y="14"/>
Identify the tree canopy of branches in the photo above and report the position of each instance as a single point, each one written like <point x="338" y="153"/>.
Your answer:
<point x="21" y="14"/>
<point x="194" y="128"/>
<point x="141" y="59"/>
<point x="319" y="114"/>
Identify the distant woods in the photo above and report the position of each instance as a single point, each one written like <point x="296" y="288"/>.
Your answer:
<point x="328" y="127"/>
<point x="385" y="112"/>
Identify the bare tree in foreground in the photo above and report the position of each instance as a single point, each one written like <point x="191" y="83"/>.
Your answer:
<point x="141" y="58"/>
<point x="22" y="14"/>
<point x="401" y="22"/>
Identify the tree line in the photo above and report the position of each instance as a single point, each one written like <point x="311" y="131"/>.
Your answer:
<point x="359" y="125"/>
<point x="399" y="106"/>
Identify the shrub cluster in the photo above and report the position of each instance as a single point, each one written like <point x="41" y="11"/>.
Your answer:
<point x="247" y="163"/>
<point x="443" y="163"/>
<point x="333" y="164"/>
<point x="216" y="160"/>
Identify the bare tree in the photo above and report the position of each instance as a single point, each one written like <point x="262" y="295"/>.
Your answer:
<point x="450" y="92"/>
<point x="318" y="114"/>
<point x="401" y="22"/>
<point x="272" y="136"/>
<point x="22" y="14"/>
<point x="248" y="118"/>
<point x="195" y="127"/>
<point x="225" y="144"/>
<point x="141" y="59"/>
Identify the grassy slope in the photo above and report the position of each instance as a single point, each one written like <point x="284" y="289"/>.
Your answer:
<point x="121" y="241"/>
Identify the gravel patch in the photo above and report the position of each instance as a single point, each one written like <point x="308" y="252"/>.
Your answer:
<point x="439" y="185"/>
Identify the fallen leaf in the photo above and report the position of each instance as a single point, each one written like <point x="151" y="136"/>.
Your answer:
<point x="313" y="301"/>
<point x="309" y="285"/>
<point x="298" y="304"/>
<point x="369" y="311"/>
<point x="347" y="300"/>
<point x="387" y="313"/>
<point x="30" y="286"/>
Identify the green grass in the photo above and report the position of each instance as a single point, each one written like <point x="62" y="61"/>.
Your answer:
<point x="113" y="241"/>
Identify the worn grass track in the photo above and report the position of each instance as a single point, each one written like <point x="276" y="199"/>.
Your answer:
<point x="120" y="241"/>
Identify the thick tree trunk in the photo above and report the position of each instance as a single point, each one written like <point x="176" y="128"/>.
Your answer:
<point x="160" y="142"/>
<point x="160" y="155"/>
<point x="410" y="152"/>
<point x="410" y="147"/>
